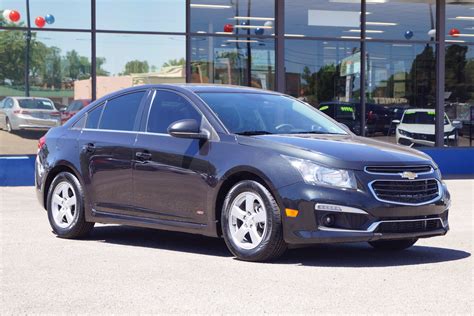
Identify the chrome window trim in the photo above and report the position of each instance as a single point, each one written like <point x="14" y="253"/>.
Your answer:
<point x="440" y="192"/>
<point x="398" y="174"/>
<point x="375" y="225"/>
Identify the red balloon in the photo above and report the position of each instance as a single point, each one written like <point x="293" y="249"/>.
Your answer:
<point x="454" y="32"/>
<point x="40" y="21"/>
<point x="14" y="16"/>
<point x="228" y="28"/>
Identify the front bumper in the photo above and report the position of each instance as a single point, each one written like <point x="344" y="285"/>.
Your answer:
<point x="357" y="216"/>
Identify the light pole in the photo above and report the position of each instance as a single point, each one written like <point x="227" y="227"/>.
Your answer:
<point x="27" y="50"/>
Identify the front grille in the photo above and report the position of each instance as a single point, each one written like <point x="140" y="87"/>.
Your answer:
<point x="428" y="137"/>
<point x="398" y="169"/>
<point x="406" y="192"/>
<point x="409" y="226"/>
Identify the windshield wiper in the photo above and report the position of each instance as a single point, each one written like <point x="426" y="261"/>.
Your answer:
<point x="253" y="133"/>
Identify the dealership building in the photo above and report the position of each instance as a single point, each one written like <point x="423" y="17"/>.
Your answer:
<point x="369" y="64"/>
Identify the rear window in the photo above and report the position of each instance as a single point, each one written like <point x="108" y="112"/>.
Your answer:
<point x="75" y="106"/>
<point x="36" y="104"/>
<point x="421" y="117"/>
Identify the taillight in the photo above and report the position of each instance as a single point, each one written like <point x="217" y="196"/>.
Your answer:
<point x="41" y="142"/>
<point x="21" y="112"/>
<point x="55" y="113"/>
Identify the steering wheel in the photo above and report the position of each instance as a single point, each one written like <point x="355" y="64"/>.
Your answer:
<point x="285" y="127"/>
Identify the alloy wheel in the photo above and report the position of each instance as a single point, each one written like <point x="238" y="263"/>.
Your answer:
<point x="247" y="220"/>
<point x="64" y="205"/>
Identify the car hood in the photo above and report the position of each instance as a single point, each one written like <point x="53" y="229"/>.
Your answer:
<point x="428" y="129"/>
<point x="342" y="151"/>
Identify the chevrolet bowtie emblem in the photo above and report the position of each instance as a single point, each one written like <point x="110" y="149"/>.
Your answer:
<point x="409" y="175"/>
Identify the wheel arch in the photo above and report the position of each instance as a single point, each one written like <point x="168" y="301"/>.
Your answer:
<point x="233" y="177"/>
<point x="61" y="166"/>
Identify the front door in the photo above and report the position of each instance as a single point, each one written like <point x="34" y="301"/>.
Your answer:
<point x="171" y="174"/>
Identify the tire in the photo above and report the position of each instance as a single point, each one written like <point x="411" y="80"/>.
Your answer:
<point x="65" y="206"/>
<point x="8" y="126"/>
<point x="393" y="245"/>
<point x="254" y="237"/>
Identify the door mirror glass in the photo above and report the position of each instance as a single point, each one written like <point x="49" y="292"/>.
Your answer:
<point x="187" y="129"/>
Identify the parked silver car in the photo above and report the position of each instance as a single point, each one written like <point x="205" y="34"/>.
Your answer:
<point x="20" y="113"/>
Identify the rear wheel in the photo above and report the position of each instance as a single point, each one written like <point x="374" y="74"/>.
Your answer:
<point x="9" y="126"/>
<point x="66" y="207"/>
<point x="393" y="245"/>
<point x="251" y="223"/>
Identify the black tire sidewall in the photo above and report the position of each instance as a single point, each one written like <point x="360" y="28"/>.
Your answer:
<point x="80" y="218"/>
<point x="273" y="213"/>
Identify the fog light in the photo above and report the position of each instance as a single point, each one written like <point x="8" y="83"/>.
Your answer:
<point x="329" y="220"/>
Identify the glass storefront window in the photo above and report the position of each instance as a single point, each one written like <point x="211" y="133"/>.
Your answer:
<point x="60" y="62"/>
<point x="143" y="59"/>
<point x="326" y="74"/>
<point x="237" y="61"/>
<point x="459" y="92"/>
<point x="322" y="18"/>
<point x="459" y="21"/>
<point x="75" y="15"/>
<point x="401" y="20"/>
<point x="401" y="84"/>
<point x="14" y="5"/>
<point x="233" y="17"/>
<point x="141" y="15"/>
<point x="12" y="63"/>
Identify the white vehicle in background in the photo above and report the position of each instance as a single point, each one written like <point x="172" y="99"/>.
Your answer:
<point x="26" y="113"/>
<point x="417" y="128"/>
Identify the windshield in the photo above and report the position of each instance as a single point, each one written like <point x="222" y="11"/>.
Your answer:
<point x="255" y="113"/>
<point x="36" y="104"/>
<point x="421" y="117"/>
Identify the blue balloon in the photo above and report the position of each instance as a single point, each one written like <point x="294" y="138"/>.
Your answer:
<point x="49" y="18"/>
<point x="259" y="31"/>
<point x="408" y="35"/>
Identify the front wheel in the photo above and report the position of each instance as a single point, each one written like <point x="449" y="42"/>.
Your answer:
<point x="393" y="245"/>
<point x="9" y="126"/>
<point x="251" y="223"/>
<point x="66" y="207"/>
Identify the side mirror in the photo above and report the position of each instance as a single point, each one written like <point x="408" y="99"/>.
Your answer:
<point x="187" y="129"/>
<point x="396" y="122"/>
<point x="457" y="124"/>
<point x="63" y="109"/>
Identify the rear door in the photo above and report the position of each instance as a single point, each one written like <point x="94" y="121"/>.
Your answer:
<point x="106" y="145"/>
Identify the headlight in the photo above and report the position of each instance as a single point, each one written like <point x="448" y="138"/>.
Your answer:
<point x="404" y="133"/>
<point x="314" y="174"/>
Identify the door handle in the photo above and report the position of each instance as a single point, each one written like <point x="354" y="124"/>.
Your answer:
<point x="90" y="147"/>
<point x="143" y="155"/>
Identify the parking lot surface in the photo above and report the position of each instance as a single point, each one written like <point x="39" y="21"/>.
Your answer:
<point x="123" y="270"/>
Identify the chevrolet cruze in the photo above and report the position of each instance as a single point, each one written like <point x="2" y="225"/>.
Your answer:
<point x="261" y="169"/>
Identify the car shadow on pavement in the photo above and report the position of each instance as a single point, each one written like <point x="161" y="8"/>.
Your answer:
<point x="160" y="239"/>
<point x="355" y="255"/>
<point x="30" y="134"/>
<point x="360" y="255"/>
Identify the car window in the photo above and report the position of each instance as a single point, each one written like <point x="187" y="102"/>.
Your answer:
<point x="93" y="117"/>
<point x="36" y="104"/>
<point x="167" y="108"/>
<point x="421" y="117"/>
<point x="80" y="123"/>
<point x="120" y="113"/>
<point x="74" y="106"/>
<point x="244" y="113"/>
<point x="8" y="103"/>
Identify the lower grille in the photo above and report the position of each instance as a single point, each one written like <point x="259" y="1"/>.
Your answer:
<point x="409" y="226"/>
<point x="412" y="192"/>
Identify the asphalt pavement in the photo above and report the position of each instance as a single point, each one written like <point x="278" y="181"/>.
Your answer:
<point x="124" y="270"/>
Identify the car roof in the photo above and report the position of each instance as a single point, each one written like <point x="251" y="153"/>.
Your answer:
<point x="29" y="98"/>
<point x="199" y="88"/>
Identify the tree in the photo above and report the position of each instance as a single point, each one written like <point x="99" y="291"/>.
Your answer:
<point x="422" y="85"/>
<point x="175" y="62"/>
<point x="456" y="63"/>
<point x="136" y="66"/>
